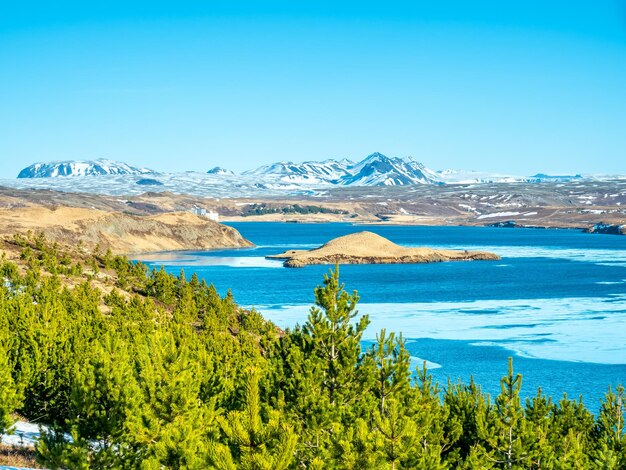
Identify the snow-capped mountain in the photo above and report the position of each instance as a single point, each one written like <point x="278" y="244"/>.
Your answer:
<point x="218" y="170"/>
<point x="374" y="170"/>
<point x="380" y="170"/>
<point x="274" y="179"/>
<point x="81" y="168"/>
<point x="328" y="171"/>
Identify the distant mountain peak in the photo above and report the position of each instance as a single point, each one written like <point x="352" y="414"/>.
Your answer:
<point x="101" y="166"/>
<point x="325" y="172"/>
<point x="218" y="170"/>
<point x="376" y="169"/>
<point x="380" y="170"/>
<point x="375" y="155"/>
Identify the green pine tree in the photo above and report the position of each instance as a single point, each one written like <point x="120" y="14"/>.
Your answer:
<point x="572" y="437"/>
<point x="259" y="438"/>
<point x="465" y="406"/>
<point x="611" y="453"/>
<point x="9" y="396"/>
<point x="104" y="396"/>
<point x="538" y="412"/>
<point x="504" y="429"/>
<point x="391" y="361"/>
<point x="318" y="369"/>
<point x="398" y="434"/>
<point x="437" y="433"/>
<point x="172" y="427"/>
<point x="335" y="340"/>
<point x="357" y="448"/>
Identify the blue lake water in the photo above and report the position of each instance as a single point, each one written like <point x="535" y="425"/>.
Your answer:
<point x="556" y="301"/>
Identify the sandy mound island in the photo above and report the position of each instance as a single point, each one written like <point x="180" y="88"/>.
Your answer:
<point x="122" y="233"/>
<point x="369" y="248"/>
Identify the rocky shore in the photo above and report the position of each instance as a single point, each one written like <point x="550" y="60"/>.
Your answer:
<point x="608" y="229"/>
<point x="370" y="248"/>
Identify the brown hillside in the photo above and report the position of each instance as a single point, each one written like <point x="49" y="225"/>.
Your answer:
<point x="122" y="233"/>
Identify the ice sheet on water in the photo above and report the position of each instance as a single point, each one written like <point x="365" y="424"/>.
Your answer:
<point x="587" y="255"/>
<point x="568" y="329"/>
<point x="418" y="362"/>
<point x="182" y="260"/>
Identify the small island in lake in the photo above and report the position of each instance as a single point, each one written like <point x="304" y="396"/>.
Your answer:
<point x="370" y="248"/>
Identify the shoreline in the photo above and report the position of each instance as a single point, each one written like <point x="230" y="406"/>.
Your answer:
<point x="365" y="223"/>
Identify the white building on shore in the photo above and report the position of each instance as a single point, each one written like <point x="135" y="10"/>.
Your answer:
<point x="202" y="212"/>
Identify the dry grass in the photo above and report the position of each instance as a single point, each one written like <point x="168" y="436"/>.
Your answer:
<point x="14" y="456"/>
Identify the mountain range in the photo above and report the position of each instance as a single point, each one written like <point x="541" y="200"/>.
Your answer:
<point x="81" y="168"/>
<point x="374" y="170"/>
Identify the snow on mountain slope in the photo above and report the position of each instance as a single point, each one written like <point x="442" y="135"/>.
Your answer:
<point x="81" y="168"/>
<point x="328" y="171"/>
<point x="192" y="183"/>
<point x="380" y="170"/>
<point x="218" y="170"/>
<point x="375" y="170"/>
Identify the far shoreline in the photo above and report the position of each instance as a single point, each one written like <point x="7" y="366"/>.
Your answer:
<point x="365" y="223"/>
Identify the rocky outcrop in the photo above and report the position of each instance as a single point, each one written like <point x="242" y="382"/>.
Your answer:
<point x="610" y="229"/>
<point x="370" y="248"/>
<point x="506" y="224"/>
<point x="122" y="233"/>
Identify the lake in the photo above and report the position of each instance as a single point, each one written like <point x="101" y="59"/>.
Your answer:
<point x="556" y="301"/>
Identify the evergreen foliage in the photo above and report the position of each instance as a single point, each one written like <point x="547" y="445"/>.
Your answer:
<point x="9" y="395"/>
<point x="130" y="368"/>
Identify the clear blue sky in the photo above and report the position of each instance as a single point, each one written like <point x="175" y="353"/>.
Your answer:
<point x="515" y="86"/>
